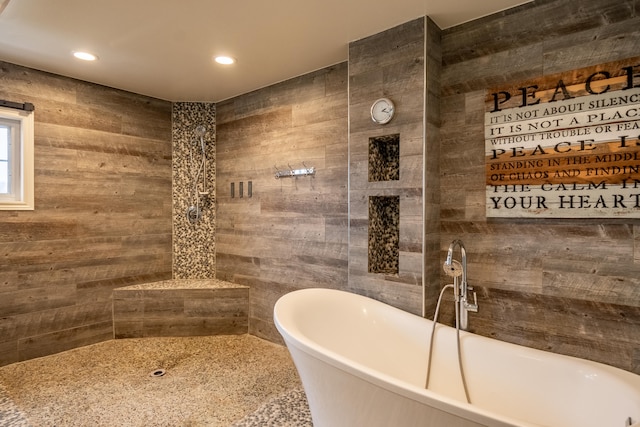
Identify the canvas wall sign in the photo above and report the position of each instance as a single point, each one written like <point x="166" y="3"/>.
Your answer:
<point x="565" y="146"/>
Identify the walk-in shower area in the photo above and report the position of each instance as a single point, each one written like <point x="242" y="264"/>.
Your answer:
<point x="232" y="380"/>
<point x="182" y="354"/>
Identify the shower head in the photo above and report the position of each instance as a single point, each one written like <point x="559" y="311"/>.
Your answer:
<point x="453" y="269"/>
<point x="200" y="131"/>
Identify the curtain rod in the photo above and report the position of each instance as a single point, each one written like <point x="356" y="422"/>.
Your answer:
<point x="26" y="106"/>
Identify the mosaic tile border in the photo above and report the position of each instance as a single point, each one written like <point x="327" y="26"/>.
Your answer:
<point x="384" y="234"/>
<point x="193" y="244"/>
<point x="290" y="409"/>
<point x="384" y="158"/>
<point x="10" y="415"/>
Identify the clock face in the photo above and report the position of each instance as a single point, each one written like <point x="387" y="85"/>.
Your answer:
<point x="382" y="111"/>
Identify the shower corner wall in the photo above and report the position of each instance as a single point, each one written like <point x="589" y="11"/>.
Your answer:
<point x="193" y="243"/>
<point x="431" y="215"/>
<point x="405" y="76"/>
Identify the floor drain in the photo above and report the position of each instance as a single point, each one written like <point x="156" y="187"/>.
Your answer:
<point x="157" y="373"/>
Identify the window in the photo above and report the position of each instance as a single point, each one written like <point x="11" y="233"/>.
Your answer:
<point x="16" y="159"/>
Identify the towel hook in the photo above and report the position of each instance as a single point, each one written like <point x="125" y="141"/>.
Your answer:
<point x="294" y="172"/>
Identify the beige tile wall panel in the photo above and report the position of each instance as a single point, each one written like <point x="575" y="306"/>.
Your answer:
<point x="389" y="64"/>
<point x="292" y="233"/>
<point x="180" y="311"/>
<point x="570" y="286"/>
<point x="102" y="217"/>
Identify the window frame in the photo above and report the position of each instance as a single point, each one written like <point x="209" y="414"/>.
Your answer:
<point x="23" y="198"/>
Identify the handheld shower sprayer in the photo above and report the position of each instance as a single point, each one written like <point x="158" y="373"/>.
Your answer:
<point x="453" y="269"/>
<point x="456" y="269"/>
<point x="200" y="131"/>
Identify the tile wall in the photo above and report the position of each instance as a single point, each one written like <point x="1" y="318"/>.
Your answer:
<point x="570" y="286"/>
<point x="104" y="158"/>
<point x="102" y="215"/>
<point x="390" y="65"/>
<point x="194" y="188"/>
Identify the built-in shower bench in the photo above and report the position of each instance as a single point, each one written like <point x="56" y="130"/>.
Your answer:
<point x="180" y="307"/>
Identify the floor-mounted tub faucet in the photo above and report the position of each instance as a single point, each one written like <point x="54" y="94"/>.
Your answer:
<point x="456" y="269"/>
<point x="452" y="268"/>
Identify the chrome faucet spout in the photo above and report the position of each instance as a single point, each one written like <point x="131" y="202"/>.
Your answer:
<point x="452" y="246"/>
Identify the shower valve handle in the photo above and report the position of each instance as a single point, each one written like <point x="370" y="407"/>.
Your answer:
<point x="472" y="307"/>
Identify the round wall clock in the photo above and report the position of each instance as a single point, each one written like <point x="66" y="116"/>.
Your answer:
<point x="382" y="111"/>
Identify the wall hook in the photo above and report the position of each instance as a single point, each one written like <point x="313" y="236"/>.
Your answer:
<point x="294" y="172"/>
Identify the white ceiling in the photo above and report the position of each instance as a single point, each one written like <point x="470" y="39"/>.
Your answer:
<point x="164" y="48"/>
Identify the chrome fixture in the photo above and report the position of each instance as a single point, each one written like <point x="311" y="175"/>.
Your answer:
<point x="455" y="269"/>
<point x="194" y="212"/>
<point x="291" y="172"/>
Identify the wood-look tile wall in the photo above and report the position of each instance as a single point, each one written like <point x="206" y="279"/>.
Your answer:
<point x="569" y="286"/>
<point x="103" y="192"/>
<point x="180" y="308"/>
<point x="102" y="215"/>
<point x="389" y="64"/>
<point x="292" y="232"/>
<point x="433" y="76"/>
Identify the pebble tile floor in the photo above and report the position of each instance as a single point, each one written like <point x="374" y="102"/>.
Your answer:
<point x="237" y="380"/>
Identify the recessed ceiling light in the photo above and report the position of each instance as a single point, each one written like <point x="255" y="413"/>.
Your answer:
<point x="85" y="56"/>
<point x="225" y="60"/>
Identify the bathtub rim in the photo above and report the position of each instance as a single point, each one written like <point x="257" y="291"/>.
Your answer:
<point x="428" y="397"/>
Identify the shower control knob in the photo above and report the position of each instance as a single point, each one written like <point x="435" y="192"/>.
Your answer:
<point x="194" y="214"/>
<point x="472" y="307"/>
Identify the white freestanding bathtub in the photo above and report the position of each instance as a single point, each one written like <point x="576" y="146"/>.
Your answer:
<point x="363" y="363"/>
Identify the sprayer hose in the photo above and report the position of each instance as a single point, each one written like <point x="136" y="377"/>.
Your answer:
<point x="433" y="330"/>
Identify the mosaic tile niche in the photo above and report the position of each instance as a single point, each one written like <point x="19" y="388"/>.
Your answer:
<point x="384" y="234"/>
<point x="193" y="242"/>
<point x="384" y="158"/>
